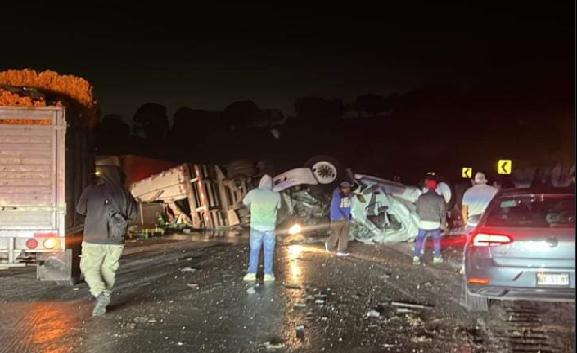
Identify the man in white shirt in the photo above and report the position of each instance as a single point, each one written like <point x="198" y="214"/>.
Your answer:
<point x="475" y="201"/>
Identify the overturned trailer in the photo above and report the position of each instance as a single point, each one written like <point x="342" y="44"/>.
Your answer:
<point x="200" y="196"/>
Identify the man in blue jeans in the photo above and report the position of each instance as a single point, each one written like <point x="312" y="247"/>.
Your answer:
<point x="432" y="212"/>
<point x="263" y="204"/>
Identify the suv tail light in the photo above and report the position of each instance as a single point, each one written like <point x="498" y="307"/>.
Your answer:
<point x="481" y="239"/>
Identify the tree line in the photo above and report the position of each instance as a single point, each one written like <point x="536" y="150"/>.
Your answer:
<point x="442" y="113"/>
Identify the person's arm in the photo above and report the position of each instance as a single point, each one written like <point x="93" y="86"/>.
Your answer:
<point x="418" y="206"/>
<point x="82" y="205"/>
<point x="132" y="208"/>
<point x="279" y="204"/>
<point x="247" y="199"/>
<point x="443" y="209"/>
<point x="465" y="213"/>
<point x="465" y="206"/>
<point x="336" y="202"/>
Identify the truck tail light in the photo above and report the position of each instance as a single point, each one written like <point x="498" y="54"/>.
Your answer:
<point x="483" y="239"/>
<point x="31" y="243"/>
<point x="51" y="243"/>
<point x="46" y="235"/>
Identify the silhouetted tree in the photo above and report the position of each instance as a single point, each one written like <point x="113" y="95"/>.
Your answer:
<point x="152" y="120"/>
<point x="112" y="134"/>
<point x="241" y="114"/>
<point x="271" y="117"/>
<point x="440" y="104"/>
<point x="183" y="121"/>
<point x="113" y="125"/>
<point x="372" y="104"/>
<point x="319" y="109"/>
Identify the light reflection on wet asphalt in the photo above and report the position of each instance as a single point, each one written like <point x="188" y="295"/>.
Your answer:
<point x="155" y="309"/>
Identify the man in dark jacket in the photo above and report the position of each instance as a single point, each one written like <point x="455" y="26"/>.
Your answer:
<point x="103" y="236"/>
<point x="432" y="212"/>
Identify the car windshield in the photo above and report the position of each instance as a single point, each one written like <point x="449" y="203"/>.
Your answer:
<point x="533" y="211"/>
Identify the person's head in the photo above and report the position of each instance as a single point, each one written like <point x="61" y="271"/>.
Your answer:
<point x="480" y="179"/>
<point x="111" y="175"/>
<point x="431" y="183"/>
<point x="265" y="182"/>
<point x="345" y="187"/>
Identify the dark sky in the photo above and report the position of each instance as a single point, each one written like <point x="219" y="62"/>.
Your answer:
<point x="207" y="57"/>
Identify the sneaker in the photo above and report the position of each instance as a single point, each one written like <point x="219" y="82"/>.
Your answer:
<point x="269" y="278"/>
<point x="250" y="277"/>
<point x="342" y="253"/>
<point x="438" y="260"/>
<point x="327" y="247"/>
<point x="416" y="260"/>
<point x="102" y="302"/>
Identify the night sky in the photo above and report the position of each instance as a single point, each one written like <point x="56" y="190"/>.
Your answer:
<point x="208" y="57"/>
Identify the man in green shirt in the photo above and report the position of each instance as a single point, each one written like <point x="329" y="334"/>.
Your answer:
<point x="263" y="204"/>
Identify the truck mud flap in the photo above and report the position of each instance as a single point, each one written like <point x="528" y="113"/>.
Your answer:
<point x="60" y="266"/>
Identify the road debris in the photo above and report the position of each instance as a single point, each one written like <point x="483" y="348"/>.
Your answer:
<point x="299" y="306"/>
<point x="403" y="310"/>
<point x="193" y="286"/>
<point x="421" y="339"/>
<point x="413" y="306"/>
<point x="300" y="332"/>
<point x="373" y="313"/>
<point x="251" y="290"/>
<point x="274" y="344"/>
<point x="292" y="286"/>
<point x="188" y="269"/>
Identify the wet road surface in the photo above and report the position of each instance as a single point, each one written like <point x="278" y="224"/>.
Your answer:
<point x="188" y="296"/>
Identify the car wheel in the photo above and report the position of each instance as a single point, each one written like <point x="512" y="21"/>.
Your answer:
<point x="474" y="303"/>
<point x="327" y="170"/>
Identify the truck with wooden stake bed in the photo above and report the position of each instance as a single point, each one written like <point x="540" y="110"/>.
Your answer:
<point x="46" y="160"/>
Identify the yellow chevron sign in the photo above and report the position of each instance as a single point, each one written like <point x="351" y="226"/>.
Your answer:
<point x="505" y="166"/>
<point x="466" y="172"/>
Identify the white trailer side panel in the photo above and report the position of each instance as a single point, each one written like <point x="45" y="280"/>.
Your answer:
<point x="32" y="171"/>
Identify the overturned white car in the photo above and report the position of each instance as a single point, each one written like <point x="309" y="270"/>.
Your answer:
<point x="383" y="211"/>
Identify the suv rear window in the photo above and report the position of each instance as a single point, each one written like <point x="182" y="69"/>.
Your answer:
<point x="533" y="211"/>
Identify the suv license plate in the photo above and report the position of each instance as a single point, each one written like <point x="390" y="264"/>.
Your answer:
<point x="553" y="279"/>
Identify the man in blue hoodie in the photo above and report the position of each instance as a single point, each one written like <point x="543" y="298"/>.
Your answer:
<point x="340" y="219"/>
<point x="263" y="204"/>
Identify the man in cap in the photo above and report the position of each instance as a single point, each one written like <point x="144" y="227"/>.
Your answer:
<point x="432" y="211"/>
<point x="107" y="206"/>
<point x="340" y="219"/>
<point x="475" y="201"/>
<point x="263" y="204"/>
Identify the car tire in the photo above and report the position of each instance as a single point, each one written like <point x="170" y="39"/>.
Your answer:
<point x="327" y="171"/>
<point x="474" y="303"/>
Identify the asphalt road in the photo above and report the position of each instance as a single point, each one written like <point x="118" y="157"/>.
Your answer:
<point x="183" y="295"/>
